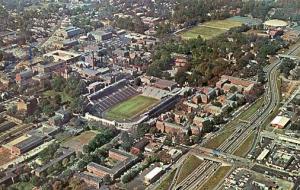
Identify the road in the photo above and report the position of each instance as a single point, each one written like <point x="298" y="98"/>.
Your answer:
<point x="272" y="99"/>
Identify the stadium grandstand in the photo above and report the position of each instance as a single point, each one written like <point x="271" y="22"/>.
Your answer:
<point x="111" y="95"/>
<point x="164" y="105"/>
<point x="155" y="92"/>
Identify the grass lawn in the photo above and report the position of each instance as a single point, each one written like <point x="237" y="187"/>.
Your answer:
<point x="252" y="109"/>
<point x="218" y="140"/>
<point x="22" y="186"/>
<point x="165" y="184"/>
<point x="52" y="93"/>
<point x="77" y="142"/>
<point x="130" y="108"/>
<point x="203" y="31"/>
<point x="211" y="29"/>
<point x="189" y="165"/>
<point x="216" y="178"/>
<point x="245" y="147"/>
<point x="224" y="24"/>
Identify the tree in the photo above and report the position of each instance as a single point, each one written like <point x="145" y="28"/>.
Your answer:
<point x="207" y="128"/>
<point x="107" y="180"/>
<point x="181" y="77"/>
<point x="58" y="83"/>
<point x="216" y="103"/>
<point x="57" y="166"/>
<point x="260" y="76"/>
<point x="77" y="105"/>
<point x="137" y="81"/>
<point x="286" y="66"/>
<point x="81" y="165"/>
<point x="233" y="89"/>
<point x="24" y="177"/>
<point x="65" y="162"/>
<point x="72" y="158"/>
<point x="168" y="140"/>
<point x="141" y="130"/>
<point x="127" y="142"/>
<point x="57" y="185"/>
<point x="86" y="149"/>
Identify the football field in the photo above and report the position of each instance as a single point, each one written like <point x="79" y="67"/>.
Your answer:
<point x="210" y="29"/>
<point x="130" y="108"/>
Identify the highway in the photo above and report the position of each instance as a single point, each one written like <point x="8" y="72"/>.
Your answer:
<point x="272" y="99"/>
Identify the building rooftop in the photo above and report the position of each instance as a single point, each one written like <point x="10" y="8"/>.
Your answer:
<point x="153" y="173"/>
<point x="280" y="120"/>
<point x="60" y="55"/>
<point x="29" y="142"/>
<point x="276" y="23"/>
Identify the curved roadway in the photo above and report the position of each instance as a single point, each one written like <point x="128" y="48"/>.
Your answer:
<point x="272" y="98"/>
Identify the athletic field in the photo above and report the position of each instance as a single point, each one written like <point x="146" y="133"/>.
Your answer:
<point x="130" y="108"/>
<point x="211" y="29"/>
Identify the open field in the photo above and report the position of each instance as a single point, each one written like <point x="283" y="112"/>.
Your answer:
<point x="213" y="181"/>
<point x="130" y="108"/>
<point x="165" y="184"/>
<point x="188" y="166"/>
<point x="223" y="24"/>
<point x="203" y="31"/>
<point x="77" y="142"/>
<point x="245" y="147"/>
<point x="211" y="29"/>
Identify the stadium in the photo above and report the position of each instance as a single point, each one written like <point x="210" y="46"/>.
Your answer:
<point x="124" y="103"/>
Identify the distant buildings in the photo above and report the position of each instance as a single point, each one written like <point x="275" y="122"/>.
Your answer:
<point x="100" y="35"/>
<point x="24" y="77"/>
<point x="63" y="56"/>
<point x="70" y="32"/>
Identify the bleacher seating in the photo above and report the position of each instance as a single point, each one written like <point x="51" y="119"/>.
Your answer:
<point x="112" y="95"/>
<point x="155" y="92"/>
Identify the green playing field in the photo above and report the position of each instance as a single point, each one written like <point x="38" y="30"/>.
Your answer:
<point x="210" y="29"/>
<point x="130" y="108"/>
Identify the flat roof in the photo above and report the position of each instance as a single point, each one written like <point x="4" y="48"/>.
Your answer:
<point x="276" y="23"/>
<point x="17" y="140"/>
<point x="153" y="173"/>
<point x="62" y="55"/>
<point x="88" y="176"/>
<point x="29" y="142"/>
<point x="280" y="120"/>
<point x="263" y="154"/>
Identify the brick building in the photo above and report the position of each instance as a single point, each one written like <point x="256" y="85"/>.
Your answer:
<point x="25" y="143"/>
<point x="244" y="86"/>
<point x="27" y="105"/>
<point x="169" y="128"/>
<point x="124" y="162"/>
<point x="139" y="146"/>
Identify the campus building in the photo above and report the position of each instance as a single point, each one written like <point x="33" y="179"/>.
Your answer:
<point x="124" y="162"/>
